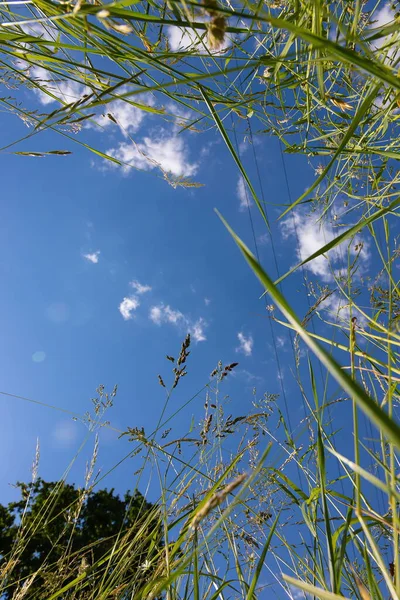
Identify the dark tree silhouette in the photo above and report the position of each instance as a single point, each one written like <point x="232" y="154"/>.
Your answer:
<point x="59" y="531"/>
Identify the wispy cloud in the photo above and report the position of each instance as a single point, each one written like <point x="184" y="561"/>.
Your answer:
<point x="129" y="118"/>
<point x="128" y="306"/>
<point x="338" y="308"/>
<point x="140" y="288"/>
<point x="246" y="344"/>
<point x="207" y="301"/>
<point x="126" y="116"/>
<point x="264" y="239"/>
<point x="280" y="341"/>
<point x="180" y="116"/>
<point x="242" y="194"/>
<point x="167" y="152"/>
<point x="310" y="235"/>
<point x="161" y="314"/>
<point x="156" y="315"/>
<point x="248" y="377"/>
<point x="63" y="90"/>
<point x="92" y="257"/>
<point x="280" y="376"/>
<point x="197" y="330"/>
<point x="165" y="314"/>
<point x="296" y="594"/>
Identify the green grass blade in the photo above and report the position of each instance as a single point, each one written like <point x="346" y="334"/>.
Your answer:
<point x="322" y="481"/>
<point x="311" y="589"/>
<point x="389" y="490"/>
<point x="360" y="114"/>
<point x="232" y="150"/>
<point x="378" y="417"/>
<point x="251" y="592"/>
<point x="343" y="236"/>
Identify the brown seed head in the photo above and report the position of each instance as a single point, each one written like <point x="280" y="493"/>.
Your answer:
<point x="216" y="500"/>
<point x="216" y="32"/>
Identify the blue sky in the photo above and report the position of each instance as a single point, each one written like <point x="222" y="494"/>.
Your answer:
<point x="105" y="269"/>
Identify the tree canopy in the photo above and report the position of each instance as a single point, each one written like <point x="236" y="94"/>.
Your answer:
<point x="56" y="531"/>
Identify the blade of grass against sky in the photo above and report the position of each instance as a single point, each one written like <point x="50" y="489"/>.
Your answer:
<point x="371" y="409"/>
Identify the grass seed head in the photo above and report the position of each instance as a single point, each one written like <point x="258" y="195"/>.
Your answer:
<point x="216" y="32"/>
<point x="341" y="104"/>
<point x="216" y="500"/>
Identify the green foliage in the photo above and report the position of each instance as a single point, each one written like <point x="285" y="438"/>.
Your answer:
<point x="56" y="527"/>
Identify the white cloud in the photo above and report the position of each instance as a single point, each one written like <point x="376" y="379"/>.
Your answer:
<point x="165" y="314"/>
<point x="243" y="194"/>
<point x="338" y="308"/>
<point x="140" y="288"/>
<point x="388" y="44"/>
<point x="181" y="115"/>
<point x="310" y="235"/>
<point x="247" y="142"/>
<point x="162" y="314"/>
<point x="183" y="38"/>
<point x="382" y="102"/>
<point x="264" y="239"/>
<point x="173" y="316"/>
<point x="127" y="306"/>
<point x="296" y="594"/>
<point x="248" y="377"/>
<point x="92" y="257"/>
<point x="128" y="117"/>
<point x="156" y="315"/>
<point x="167" y="152"/>
<point x="207" y="301"/>
<point x="244" y="146"/>
<point x="383" y="17"/>
<point x="246" y="344"/>
<point x="44" y="31"/>
<point x="66" y="91"/>
<point x="280" y="341"/>
<point x="41" y="31"/>
<point x="197" y="330"/>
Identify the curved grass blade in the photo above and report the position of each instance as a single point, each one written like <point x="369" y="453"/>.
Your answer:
<point x="311" y="589"/>
<point x="342" y="237"/>
<point x="389" y="490"/>
<point x="375" y="413"/>
<point x="232" y="150"/>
